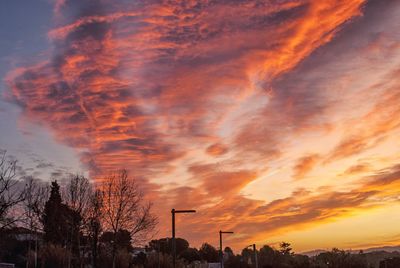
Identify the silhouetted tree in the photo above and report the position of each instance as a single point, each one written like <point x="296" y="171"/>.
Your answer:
<point x="208" y="253"/>
<point x="285" y="248"/>
<point x="77" y="196"/>
<point x="164" y="245"/>
<point x="122" y="239"/>
<point x="190" y="255"/>
<point x="340" y="259"/>
<point x="10" y="194"/>
<point x="266" y="256"/>
<point x="228" y="252"/>
<point x="54" y="219"/>
<point x="94" y="224"/>
<point x="124" y="208"/>
<point x="36" y="194"/>
<point x="59" y="221"/>
<point x="248" y="255"/>
<point x="77" y="193"/>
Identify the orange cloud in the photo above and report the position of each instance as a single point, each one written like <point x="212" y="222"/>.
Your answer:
<point x="222" y="183"/>
<point x="371" y="130"/>
<point x="357" y="169"/>
<point x="305" y="165"/>
<point x="217" y="149"/>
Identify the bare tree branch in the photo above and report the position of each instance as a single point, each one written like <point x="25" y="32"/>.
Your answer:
<point x="10" y="194"/>
<point x="124" y="207"/>
<point x="36" y="193"/>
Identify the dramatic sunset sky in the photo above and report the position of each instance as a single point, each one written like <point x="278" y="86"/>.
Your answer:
<point x="276" y="119"/>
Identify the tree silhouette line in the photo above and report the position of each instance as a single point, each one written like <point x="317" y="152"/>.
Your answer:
<point x="78" y="224"/>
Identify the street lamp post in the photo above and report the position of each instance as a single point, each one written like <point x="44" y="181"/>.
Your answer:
<point x="220" y="246"/>
<point x="173" y="212"/>
<point x="255" y="254"/>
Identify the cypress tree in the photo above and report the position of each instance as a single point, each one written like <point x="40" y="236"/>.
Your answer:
<point x="54" y="223"/>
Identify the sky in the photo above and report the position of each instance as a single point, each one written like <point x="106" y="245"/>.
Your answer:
<point x="277" y="119"/>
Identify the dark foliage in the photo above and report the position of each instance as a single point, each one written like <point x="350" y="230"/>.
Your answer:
<point x="122" y="239"/>
<point x="209" y="253"/>
<point x="190" y="255"/>
<point x="164" y="245"/>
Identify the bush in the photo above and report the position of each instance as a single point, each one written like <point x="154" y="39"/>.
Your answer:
<point x="123" y="259"/>
<point x="164" y="259"/>
<point x="54" y="256"/>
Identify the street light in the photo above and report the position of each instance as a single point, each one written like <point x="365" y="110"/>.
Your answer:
<point x="255" y="254"/>
<point x="173" y="211"/>
<point x="220" y="246"/>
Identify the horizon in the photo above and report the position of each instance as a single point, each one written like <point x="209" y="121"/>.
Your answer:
<point x="278" y="120"/>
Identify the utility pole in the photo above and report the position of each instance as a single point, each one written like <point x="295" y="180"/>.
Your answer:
<point x="158" y="255"/>
<point x="255" y="254"/>
<point x="173" y="238"/>
<point x="173" y="212"/>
